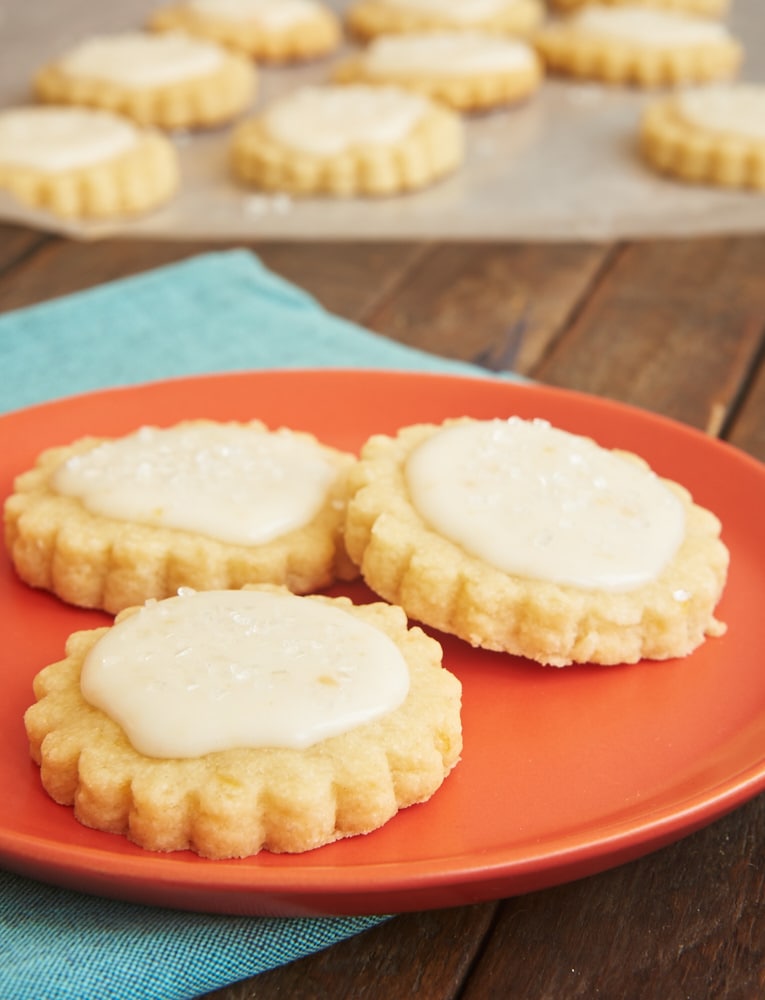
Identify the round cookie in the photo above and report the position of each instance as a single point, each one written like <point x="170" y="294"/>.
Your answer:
<point x="348" y="140"/>
<point x="268" y="30"/>
<point x="369" y="18"/>
<point x="706" y="8"/>
<point x="112" y="523"/>
<point x="284" y="723"/>
<point x="713" y="135"/>
<point x="168" y="80"/>
<point x="84" y="163"/>
<point x="522" y="538"/>
<point x="636" y="44"/>
<point x="469" y="71"/>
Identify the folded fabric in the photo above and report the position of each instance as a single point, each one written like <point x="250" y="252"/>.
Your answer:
<point x="214" y="313"/>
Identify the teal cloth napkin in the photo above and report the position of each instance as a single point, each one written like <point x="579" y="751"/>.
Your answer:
<point x="216" y="312"/>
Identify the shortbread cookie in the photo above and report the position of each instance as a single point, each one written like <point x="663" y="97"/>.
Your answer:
<point x="168" y="80"/>
<point x="369" y="18"/>
<point x="706" y="8"/>
<point x="230" y="722"/>
<point x="112" y="523"/>
<point x="268" y="30"/>
<point x="639" y="45"/>
<point x="348" y="140"/>
<point x="519" y="537"/>
<point x="711" y="135"/>
<point x="470" y="71"/>
<point x="84" y="163"/>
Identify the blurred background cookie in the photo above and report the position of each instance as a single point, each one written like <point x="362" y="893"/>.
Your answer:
<point x="639" y="45"/>
<point x="469" y="71"/>
<point x="84" y="163"/>
<point x="348" y="140"/>
<point x="712" y="135"/>
<point x="269" y="30"/>
<point x="708" y="8"/>
<point x="168" y="80"/>
<point x="369" y="18"/>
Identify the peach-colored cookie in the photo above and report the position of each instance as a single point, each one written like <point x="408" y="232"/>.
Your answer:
<point x="84" y="163"/>
<point x="112" y="523"/>
<point x="269" y="30"/>
<point x="706" y="8"/>
<point x="369" y="18"/>
<point x="713" y="135"/>
<point x="636" y="44"/>
<point x="519" y="537"/>
<point x="469" y="71"/>
<point x="348" y="140"/>
<point x="167" y="80"/>
<point x="230" y="722"/>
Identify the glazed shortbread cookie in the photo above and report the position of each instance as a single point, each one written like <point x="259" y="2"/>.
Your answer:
<point x="712" y="135"/>
<point x="111" y="523"/>
<point x="706" y="8"/>
<point x="168" y="80"/>
<point x="639" y="45"/>
<point x="231" y="722"/>
<point x="269" y="30"/>
<point x="83" y="163"/>
<point x="369" y="18"/>
<point x="348" y="140"/>
<point x="519" y="537"/>
<point x="469" y="70"/>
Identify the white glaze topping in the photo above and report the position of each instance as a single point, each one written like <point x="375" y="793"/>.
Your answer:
<point x="235" y="483"/>
<point x="273" y="14"/>
<point x="456" y="11"/>
<point x="136" y="59"/>
<point x="539" y="502"/>
<point x="447" y="53"/>
<point x="738" y="109"/>
<point x="327" y="120"/>
<point x="58" y="139"/>
<point x="224" y="670"/>
<point x="648" y="27"/>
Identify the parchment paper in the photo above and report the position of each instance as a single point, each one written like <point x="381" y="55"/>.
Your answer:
<point x="562" y="166"/>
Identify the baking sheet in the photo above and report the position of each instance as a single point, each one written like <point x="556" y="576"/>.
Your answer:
<point x="562" y="166"/>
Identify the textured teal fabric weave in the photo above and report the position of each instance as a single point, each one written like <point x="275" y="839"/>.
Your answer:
<point x="218" y="312"/>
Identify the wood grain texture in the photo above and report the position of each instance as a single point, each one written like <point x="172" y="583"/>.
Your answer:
<point x="415" y="955"/>
<point x="498" y="305"/>
<point x="684" y="922"/>
<point x="673" y="327"/>
<point x="16" y="243"/>
<point x="348" y="281"/>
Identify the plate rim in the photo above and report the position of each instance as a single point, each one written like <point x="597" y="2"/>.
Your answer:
<point x="623" y="837"/>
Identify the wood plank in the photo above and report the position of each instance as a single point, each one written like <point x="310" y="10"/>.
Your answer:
<point x="747" y="428"/>
<point x="680" y="923"/>
<point x="347" y="279"/>
<point x="498" y="305"/>
<point x="673" y="326"/>
<point x="17" y="242"/>
<point x="414" y="955"/>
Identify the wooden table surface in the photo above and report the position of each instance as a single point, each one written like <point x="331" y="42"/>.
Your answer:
<point x="676" y="327"/>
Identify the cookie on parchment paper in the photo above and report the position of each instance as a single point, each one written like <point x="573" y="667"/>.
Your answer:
<point x="469" y="70"/>
<point x="81" y="163"/>
<point x="171" y="81"/>
<point x="348" y="141"/>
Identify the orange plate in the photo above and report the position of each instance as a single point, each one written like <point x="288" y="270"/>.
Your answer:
<point x="564" y="772"/>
